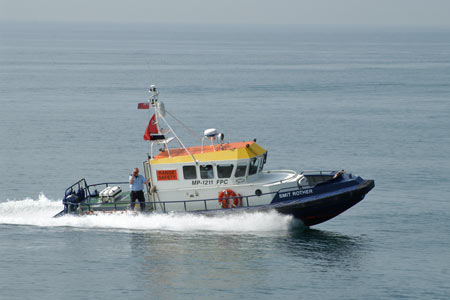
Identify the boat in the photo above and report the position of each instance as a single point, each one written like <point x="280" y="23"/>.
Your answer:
<point x="217" y="177"/>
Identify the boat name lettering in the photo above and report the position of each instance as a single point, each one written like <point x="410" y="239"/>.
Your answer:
<point x="202" y="182"/>
<point x="295" y="193"/>
<point x="209" y="182"/>
<point x="222" y="181"/>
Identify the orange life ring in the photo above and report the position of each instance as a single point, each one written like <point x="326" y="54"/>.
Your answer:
<point x="225" y="198"/>
<point x="237" y="202"/>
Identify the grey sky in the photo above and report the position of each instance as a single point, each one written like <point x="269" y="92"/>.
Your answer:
<point x="346" y="12"/>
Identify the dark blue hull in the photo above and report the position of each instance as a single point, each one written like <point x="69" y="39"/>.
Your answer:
<point x="320" y="208"/>
<point x="312" y="204"/>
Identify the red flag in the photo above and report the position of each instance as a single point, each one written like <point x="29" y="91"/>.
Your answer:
<point x="143" y="105"/>
<point x="151" y="129"/>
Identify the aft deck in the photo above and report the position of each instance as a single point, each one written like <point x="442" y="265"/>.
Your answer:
<point x="95" y="204"/>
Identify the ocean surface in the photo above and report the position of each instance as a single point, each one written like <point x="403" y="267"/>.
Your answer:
<point x="372" y="101"/>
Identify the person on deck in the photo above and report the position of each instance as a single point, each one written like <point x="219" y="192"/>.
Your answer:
<point x="137" y="188"/>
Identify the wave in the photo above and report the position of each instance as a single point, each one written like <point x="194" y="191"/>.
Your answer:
<point x="40" y="212"/>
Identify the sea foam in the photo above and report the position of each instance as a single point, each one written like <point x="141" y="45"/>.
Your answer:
<point x="40" y="212"/>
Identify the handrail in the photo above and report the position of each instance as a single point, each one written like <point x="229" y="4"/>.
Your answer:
<point x="78" y="183"/>
<point x="318" y="172"/>
<point x="108" y="183"/>
<point x="83" y="180"/>
<point x="163" y="203"/>
<point x="83" y="185"/>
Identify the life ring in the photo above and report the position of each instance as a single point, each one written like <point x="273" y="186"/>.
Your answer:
<point x="237" y="202"/>
<point x="225" y="198"/>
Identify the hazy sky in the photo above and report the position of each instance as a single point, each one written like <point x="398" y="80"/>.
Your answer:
<point x="346" y="12"/>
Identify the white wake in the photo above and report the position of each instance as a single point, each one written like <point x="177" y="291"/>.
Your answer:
<point x="40" y="212"/>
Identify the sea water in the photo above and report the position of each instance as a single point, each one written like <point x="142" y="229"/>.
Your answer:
<point x="372" y="101"/>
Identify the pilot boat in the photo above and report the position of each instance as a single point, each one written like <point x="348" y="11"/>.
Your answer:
<point x="218" y="177"/>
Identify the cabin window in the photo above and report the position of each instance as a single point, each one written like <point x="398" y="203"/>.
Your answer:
<point x="224" y="171"/>
<point x="206" y="172"/>
<point x="240" y="170"/>
<point x="262" y="162"/>
<point x="253" y="166"/>
<point x="189" y="172"/>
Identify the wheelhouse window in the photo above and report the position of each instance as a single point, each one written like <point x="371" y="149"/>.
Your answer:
<point x="241" y="169"/>
<point x="253" y="166"/>
<point x="206" y="172"/>
<point x="224" y="171"/>
<point x="190" y="172"/>
<point x="262" y="162"/>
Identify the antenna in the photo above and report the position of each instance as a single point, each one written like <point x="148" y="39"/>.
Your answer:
<point x="154" y="94"/>
<point x="154" y="102"/>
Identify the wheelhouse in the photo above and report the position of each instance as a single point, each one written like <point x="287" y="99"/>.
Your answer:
<point x="216" y="165"/>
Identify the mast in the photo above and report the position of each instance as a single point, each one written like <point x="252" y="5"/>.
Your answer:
<point x="152" y="101"/>
<point x="160" y="113"/>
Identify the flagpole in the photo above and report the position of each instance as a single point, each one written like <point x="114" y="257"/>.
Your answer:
<point x="150" y="145"/>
